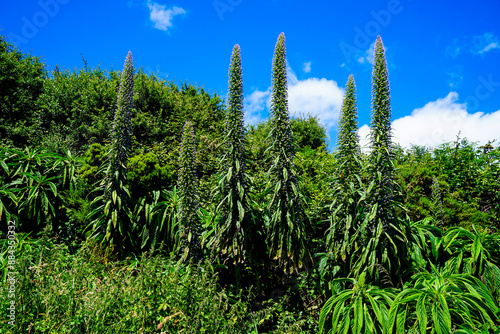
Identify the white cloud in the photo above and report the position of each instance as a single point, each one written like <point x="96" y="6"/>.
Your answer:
<point x="364" y="139"/>
<point x="316" y="96"/>
<point x="254" y="105"/>
<point x="485" y="43"/>
<point x="440" y="121"/>
<point x="368" y="55"/>
<point x="162" y="17"/>
<point x="291" y="76"/>
<point x="306" y="67"/>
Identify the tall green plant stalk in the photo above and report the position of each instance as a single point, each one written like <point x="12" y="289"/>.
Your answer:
<point x="121" y="134"/>
<point x="235" y="222"/>
<point x="437" y="203"/>
<point x="113" y="225"/>
<point x="384" y="233"/>
<point x="345" y="213"/>
<point x="189" y="205"/>
<point x="287" y="222"/>
<point x="348" y="138"/>
<point x="381" y="139"/>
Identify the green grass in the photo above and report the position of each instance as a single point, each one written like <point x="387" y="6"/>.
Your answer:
<point x="91" y="292"/>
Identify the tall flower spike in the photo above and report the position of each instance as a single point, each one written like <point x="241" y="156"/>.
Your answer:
<point x="437" y="203"/>
<point x="279" y="104"/>
<point x="234" y="227"/>
<point x="346" y="200"/>
<point x="348" y="138"/>
<point x="116" y="192"/>
<point x="123" y="115"/>
<point x="384" y="238"/>
<point x="187" y="184"/>
<point x="381" y="138"/>
<point x="287" y="224"/>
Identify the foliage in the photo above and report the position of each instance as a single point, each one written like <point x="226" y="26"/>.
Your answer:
<point x="348" y="149"/>
<point x="383" y="220"/>
<point x="234" y="230"/>
<point x="308" y="132"/>
<point x="91" y="292"/>
<point x="437" y="202"/>
<point x="287" y="219"/>
<point x="362" y="308"/>
<point x="346" y="208"/>
<point x="475" y="253"/>
<point x="111" y="222"/>
<point x="21" y="83"/>
<point x="146" y="172"/>
<point x="314" y="168"/>
<point x="34" y="185"/>
<point x="424" y="220"/>
<point x="158" y="214"/>
<point x="94" y="160"/>
<point x="189" y="205"/>
<point x="417" y="168"/>
<point x="439" y="301"/>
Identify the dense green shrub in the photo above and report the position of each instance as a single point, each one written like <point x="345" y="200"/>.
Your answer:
<point x="146" y="173"/>
<point x="22" y="78"/>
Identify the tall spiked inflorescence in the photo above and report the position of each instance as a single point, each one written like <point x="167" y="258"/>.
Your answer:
<point x="385" y="235"/>
<point x="235" y="220"/>
<point x="287" y="223"/>
<point x="437" y="203"/>
<point x="120" y="137"/>
<point x="348" y="138"/>
<point x="116" y="196"/>
<point x="345" y="213"/>
<point x="381" y="140"/>
<point x="187" y="184"/>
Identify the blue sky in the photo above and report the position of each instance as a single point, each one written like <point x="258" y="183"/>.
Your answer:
<point x="443" y="56"/>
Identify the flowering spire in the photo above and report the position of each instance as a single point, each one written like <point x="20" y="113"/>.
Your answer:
<point x="381" y="139"/>
<point x="235" y="219"/>
<point x="385" y="242"/>
<point x="287" y="224"/>
<point x="120" y="136"/>
<point x="279" y="106"/>
<point x="116" y="192"/>
<point x="348" y="138"/>
<point x="343" y="219"/>
<point x="187" y="184"/>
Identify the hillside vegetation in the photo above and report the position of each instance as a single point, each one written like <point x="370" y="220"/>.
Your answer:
<point x="141" y="205"/>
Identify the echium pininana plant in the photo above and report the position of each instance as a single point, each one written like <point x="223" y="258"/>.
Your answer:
<point x="437" y="203"/>
<point x="234" y="225"/>
<point x="345" y="206"/>
<point x="111" y="225"/>
<point x="286" y="235"/>
<point x="384" y="234"/>
<point x="381" y="139"/>
<point x="348" y="138"/>
<point x="120" y="135"/>
<point x="187" y="185"/>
